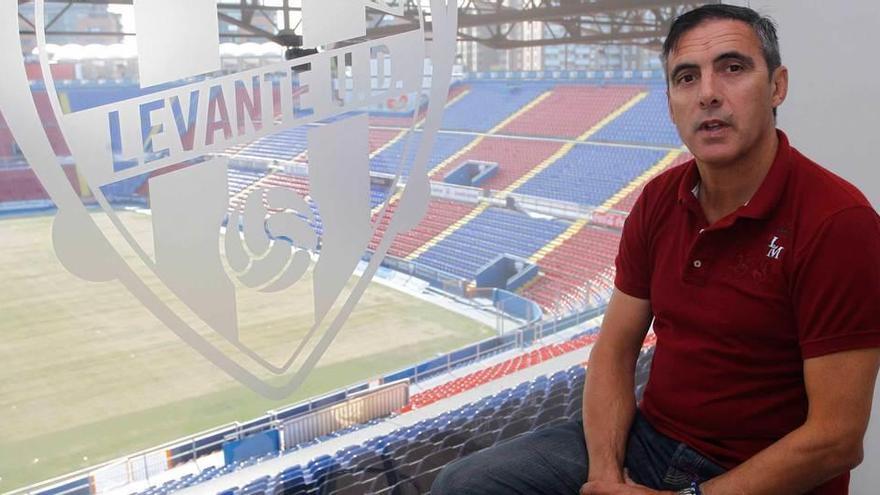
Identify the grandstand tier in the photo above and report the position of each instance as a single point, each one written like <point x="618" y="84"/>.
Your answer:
<point x="407" y="460"/>
<point x="589" y="175"/>
<point x="464" y="251"/>
<point x="515" y="158"/>
<point x="553" y="116"/>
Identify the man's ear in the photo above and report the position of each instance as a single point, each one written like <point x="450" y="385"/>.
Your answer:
<point x="780" y="85"/>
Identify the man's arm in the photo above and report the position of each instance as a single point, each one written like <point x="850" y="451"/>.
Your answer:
<point x="609" y="400"/>
<point x="840" y="388"/>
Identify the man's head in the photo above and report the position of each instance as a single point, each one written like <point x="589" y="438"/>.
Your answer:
<point x="725" y="80"/>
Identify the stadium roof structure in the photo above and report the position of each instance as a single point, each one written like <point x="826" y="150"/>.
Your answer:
<point x="596" y="22"/>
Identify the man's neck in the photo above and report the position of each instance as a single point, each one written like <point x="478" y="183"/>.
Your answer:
<point x="725" y="187"/>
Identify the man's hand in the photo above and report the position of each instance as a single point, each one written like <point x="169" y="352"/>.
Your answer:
<point x="610" y="488"/>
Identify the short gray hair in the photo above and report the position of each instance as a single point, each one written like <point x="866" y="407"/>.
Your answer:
<point x="763" y="26"/>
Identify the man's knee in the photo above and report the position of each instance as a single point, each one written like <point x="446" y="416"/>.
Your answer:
<point x="456" y="478"/>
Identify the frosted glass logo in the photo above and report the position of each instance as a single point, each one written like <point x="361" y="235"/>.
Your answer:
<point x="205" y="251"/>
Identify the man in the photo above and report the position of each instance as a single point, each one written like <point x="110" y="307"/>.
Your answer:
<point x="761" y="273"/>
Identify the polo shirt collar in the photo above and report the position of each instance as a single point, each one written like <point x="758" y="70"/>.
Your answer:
<point x="765" y="198"/>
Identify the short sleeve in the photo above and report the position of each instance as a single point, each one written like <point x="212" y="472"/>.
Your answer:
<point x="633" y="267"/>
<point x="836" y="291"/>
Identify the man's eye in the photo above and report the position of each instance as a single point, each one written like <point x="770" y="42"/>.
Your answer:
<point x="686" y="78"/>
<point x="735" y="68"/>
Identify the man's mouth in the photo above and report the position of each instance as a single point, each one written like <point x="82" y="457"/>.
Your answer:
<point x="712" y="125"/>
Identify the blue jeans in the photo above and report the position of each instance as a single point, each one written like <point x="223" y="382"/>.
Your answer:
<point x="554" y="461"/>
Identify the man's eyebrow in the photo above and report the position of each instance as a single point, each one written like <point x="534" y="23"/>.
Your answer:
<point x="745" y="59"/>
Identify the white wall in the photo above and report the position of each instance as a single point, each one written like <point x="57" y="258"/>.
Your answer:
<point x="832" y="115"/>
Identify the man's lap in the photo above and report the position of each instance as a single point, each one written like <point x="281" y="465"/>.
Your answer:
<point x="554" y="461"/>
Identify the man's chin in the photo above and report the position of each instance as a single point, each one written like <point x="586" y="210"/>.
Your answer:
<point x="713" y="155"/>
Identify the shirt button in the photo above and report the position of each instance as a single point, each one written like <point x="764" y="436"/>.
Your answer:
<point x="698" y="263"/>
<point x="702" y="230"/>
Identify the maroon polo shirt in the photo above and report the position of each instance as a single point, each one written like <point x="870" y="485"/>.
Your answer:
<point x="740" y="304"/>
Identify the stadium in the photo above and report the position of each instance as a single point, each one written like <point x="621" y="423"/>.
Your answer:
<point x="476" y="323"/>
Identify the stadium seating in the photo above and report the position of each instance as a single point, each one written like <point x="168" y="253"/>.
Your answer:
<point x="282" y="146"/>
<point x="515" y="158"/>
<point x="487" y="104"/>
<point x="625" y="204"/>
<point x="389" y="160"/>
<point x="20" y="184"/>
<point x="498" y="370"/>
<point x="392" y="118"/>
<point x="7" y="143"/>
<point x="240" y="179"/>
<point x="554" y="117"/>
<point x="573" y="269"/>
<point x="441" y="214"/>
<point x="647" y="122"/>
<point x="79" y="98"/>
<point x="493" y="232"/>
<point x="408" y="459"/>
<point x="589" y="174"/>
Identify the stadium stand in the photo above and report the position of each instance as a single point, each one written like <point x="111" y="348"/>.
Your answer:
<point x="625" y="204"/>
<point x="590" y="174"/>
<point x="282" y="146"/>
<point x="515" y="157"/>
<point x="537" y="159"/>
<point x="645" y="123"/>
<point x="494" y="231"/>
<point x="569" y="270"/>
<point x="553" y="117"/>
<point x="20" y="184"/>
<point x="408" y="459"/>
<point x="239" y="180"/>
<point x="487" y="104"/>
<point x="441" y="214"/>
<point x="388" y="161"/>
<point x="390" y="117"/>
<point x="498" y="370"/>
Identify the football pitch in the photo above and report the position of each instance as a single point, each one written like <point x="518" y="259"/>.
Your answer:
<point x="88" y="375"/>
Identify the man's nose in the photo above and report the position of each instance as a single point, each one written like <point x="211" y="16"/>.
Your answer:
<point x="710" y="96"/>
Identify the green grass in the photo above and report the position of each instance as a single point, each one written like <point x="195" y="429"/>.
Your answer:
<point x="85" y="371"/>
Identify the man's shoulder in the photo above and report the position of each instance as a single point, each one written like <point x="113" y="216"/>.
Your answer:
<point x="832" y="191"/>
<point x="820" y="199"/>
<point x="819" y="194"/>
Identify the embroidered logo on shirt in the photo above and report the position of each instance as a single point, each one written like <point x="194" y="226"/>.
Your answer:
<point x="775" y="251"/>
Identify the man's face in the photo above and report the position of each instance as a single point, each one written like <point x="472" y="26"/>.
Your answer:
<point x="721" y="95"/>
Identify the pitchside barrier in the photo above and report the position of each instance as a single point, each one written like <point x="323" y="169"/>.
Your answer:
<point x="354" y="411"/>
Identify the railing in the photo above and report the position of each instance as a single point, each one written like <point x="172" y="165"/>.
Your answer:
<point x="356" y="410"/>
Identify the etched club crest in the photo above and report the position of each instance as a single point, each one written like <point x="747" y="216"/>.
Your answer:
<point x="208" y="248"/>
